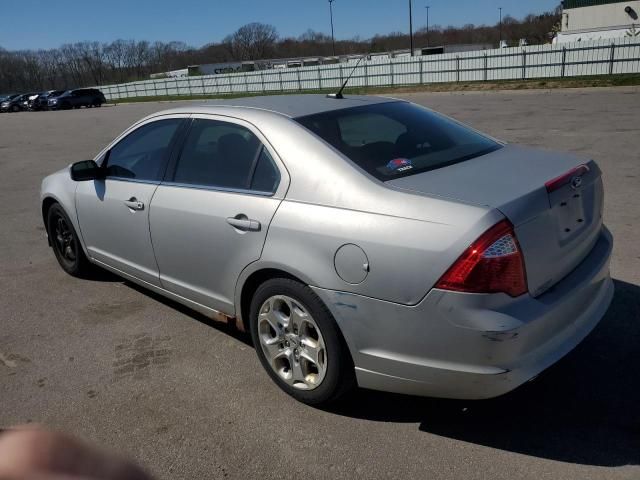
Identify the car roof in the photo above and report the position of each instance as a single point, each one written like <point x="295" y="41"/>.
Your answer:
<point x="299" y="105"/>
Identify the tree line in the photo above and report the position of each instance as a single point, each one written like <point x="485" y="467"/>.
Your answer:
<point x="93" y="63"/>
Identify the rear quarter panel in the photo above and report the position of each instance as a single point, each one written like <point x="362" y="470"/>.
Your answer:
<point x="405" y="256"/>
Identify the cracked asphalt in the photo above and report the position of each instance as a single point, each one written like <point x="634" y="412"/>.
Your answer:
<point x="188" y="399"/>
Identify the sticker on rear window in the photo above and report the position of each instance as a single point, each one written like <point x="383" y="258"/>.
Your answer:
<point x="399" y="165"/>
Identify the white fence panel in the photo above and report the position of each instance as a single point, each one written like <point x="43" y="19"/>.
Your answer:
<point x="601" y="57"/>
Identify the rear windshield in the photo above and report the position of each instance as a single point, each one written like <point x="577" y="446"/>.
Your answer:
<point x="397" y="139"/>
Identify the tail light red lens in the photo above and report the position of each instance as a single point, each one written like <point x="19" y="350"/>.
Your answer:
<point x="492" y="264"/>
<point x="565" y="178"/>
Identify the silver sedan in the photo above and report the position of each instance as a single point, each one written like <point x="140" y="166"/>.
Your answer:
<point x="361" y="241"/>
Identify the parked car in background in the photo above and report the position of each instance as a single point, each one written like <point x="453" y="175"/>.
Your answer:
<point x="16" y="103"/>
<point x="361" y="240"/>
<point x="7" y="96"/>
<point x="31" y="97"/>
<point x="41" y="102"/>
<point x="82" y="97"/>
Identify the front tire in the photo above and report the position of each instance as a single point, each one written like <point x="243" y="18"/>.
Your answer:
<point x="298" y="342"/>
<point x="65" y="243"/>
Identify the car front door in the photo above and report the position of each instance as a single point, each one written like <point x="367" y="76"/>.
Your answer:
<point x="209" y="219"/>
<point x="114" y="213"/>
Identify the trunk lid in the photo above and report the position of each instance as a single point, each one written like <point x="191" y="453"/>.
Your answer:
<point x="556" y="230"/>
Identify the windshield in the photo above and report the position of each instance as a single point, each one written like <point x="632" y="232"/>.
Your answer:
<point x="398" y="139"/>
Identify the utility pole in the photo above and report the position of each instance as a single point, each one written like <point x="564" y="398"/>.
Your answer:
<point x="427" y="7"/>
<point x="411" y="24"/>
<point x="333" y="40"/>
<point x="500" y="29"/>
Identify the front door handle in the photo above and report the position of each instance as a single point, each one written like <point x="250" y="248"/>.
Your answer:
<point x="134" y="204"/>
<point x="241" y="222"/>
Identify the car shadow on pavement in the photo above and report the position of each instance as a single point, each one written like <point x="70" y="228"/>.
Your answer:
<point x="220" y="326"/>
<point x="101" y="275"/>
<point x="583" y="410"/>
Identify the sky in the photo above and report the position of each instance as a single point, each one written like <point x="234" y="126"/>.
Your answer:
<point x="36" y="24"/>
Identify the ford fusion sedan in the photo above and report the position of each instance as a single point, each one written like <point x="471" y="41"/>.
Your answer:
<point x="361" y="240"/>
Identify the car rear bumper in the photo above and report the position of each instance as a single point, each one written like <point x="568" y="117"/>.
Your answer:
<point x="472" y="346"/>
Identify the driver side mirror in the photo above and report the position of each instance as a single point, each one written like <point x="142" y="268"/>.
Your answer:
<point x="86" y="170"/>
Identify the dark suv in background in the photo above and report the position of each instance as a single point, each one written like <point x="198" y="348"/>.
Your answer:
<point x="82" y="97"/>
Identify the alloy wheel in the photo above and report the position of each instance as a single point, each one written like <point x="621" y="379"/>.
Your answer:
<point x="292" y="342"/>
<point x="63" y="237"/>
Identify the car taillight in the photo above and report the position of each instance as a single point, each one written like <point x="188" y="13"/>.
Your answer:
<point x="558" y="182"/>
<point x="492" y="264"/>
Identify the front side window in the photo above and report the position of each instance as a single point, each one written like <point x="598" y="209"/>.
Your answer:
<point x="397" y="139"/>
<point x="142" y="154"/>
<point x="225" y="155"/>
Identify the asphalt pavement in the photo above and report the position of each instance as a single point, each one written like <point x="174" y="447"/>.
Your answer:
<point x="188" y="398"/>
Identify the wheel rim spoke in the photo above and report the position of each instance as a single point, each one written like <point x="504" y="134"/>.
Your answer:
<point x="270" y="317"/>
<point x="273" y="349"/>
<point x="298" y="318"/>
<point x="312" y="353"/>
<point x="64" y="240"/>
<point x="292" y="342"/>
<point x="298" y="373"/>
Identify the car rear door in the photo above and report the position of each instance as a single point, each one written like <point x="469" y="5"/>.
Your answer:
<point x="209" y="218"/>
<point x="114" y="213"/>
<point x="83" y="98"/>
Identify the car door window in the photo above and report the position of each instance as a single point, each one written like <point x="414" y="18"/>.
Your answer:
<point x="141" y="155"/>
<point x="265" y="176"/>
<point x="225" y="155"/>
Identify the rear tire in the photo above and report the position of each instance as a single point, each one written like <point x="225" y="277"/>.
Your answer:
<point x="299" y="343"/>
<point x="66" y="244"/>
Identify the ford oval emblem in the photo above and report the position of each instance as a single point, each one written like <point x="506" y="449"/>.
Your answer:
<point x="576" y="182"/>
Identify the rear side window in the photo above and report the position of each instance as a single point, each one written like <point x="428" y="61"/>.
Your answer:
<point x="142" y="154"/>
<point x="398" y="139"/>
<point x="265" y="176"/>
<point x="225" y="155"/>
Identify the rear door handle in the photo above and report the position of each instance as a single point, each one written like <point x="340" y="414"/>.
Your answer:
<point x="134" y="204"/>
<point x="241" y="222"/>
